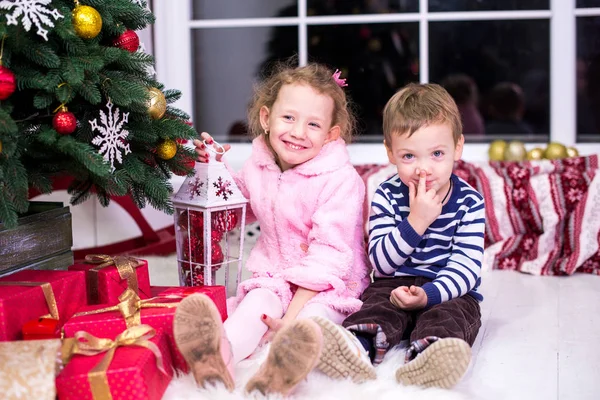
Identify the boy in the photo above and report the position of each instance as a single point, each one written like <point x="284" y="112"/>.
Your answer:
<point x="426" y="245"/>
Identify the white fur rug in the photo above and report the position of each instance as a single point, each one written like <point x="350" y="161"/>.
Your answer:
<point x="163" y="272"/>
<point x="317" y="386"/>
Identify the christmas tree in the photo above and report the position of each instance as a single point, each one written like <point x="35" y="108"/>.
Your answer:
<point x="78" y="99"/>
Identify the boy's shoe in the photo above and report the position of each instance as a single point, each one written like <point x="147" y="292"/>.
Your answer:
<point x="442" y="364"/>
<point x="294" y="352"/>
<point x="343" y="355"/>
<point x="198" y="334"/>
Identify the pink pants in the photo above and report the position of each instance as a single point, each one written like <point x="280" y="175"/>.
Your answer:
<point x="244" y="328"/>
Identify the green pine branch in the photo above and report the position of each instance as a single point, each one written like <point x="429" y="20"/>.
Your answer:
<point x="84" y="74"/>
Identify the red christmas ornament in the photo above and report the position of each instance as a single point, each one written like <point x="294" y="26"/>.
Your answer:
<point x="149" y="160"/>
<point x="128" y="40"/>
<point x="216" y="255"/>
<point x="8" y="83"/>
<point x="196" y="219"/>
<point x="198" y="279"/>
<point x="41" y="328"/>
<point x="193" y="250"/>
<point x="224" y="221"/>
<point x="216" y="236"/>
<point x="64" y="122"/>
<point x="188" y="163"/>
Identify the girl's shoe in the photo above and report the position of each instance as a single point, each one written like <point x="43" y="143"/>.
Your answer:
<point x="199" y="334"/>
<point x="343" y="356"/>
<point x="442" y="364"/>
<point x="294" y="352"/>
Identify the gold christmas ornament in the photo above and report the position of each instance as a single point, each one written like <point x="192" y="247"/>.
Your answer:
<point x="555" y="151"/>
<point x="86" y="21"/>
<point x="535" y="154"/>
<point x="157" y="105"/>
<point x="515" y="151"/>
<point x="167" y="149"/>
<point x="496" y="150"/>
<point x="571" y="152"/>
<point x="0" y="146"/>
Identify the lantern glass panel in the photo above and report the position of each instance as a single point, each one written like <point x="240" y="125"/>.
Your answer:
<point x="209" y="245"/>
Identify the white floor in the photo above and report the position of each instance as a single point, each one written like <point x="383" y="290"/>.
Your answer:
<point x="539" y="338"/>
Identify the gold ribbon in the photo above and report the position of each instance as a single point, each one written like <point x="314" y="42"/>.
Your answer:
<point x="89" y="345"/>
<point x="130" y="305"/>
<point x="48" y="294"/>
<point x="125" y="266"/>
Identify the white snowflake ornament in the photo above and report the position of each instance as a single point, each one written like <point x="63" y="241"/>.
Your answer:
<point x="141" y="3"/>
<point x="112" y="136"/>
<point x="31" y="11"/>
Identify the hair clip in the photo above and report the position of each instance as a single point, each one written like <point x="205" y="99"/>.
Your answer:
<point x="340" y="81"/>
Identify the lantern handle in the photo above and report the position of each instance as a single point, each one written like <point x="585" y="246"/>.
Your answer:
<point x="210" y="148"/>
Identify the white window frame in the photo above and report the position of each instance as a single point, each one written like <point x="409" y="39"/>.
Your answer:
<point x="174" y="64"/>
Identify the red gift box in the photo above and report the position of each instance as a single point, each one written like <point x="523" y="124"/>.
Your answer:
<point x="217" y="294"/>
<point x="127" y="368"/>
<point x="29" y="295"/>
<point x="157" y="312"/>
<point x="107" y="277"/>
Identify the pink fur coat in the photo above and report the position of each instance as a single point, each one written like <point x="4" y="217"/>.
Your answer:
<point x="311" y="225"/>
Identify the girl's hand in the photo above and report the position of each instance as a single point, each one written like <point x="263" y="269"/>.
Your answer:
<point x="274" y="325"/>
<point x="204" y="153"/>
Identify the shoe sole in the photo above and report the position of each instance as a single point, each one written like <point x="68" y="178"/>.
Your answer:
<point x="197" y="331"/>
<point x="441" y="365"/>
<point x="294" y="352"/>
<point x="338" y="360"/>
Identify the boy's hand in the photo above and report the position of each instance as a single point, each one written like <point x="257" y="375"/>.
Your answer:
<point x="405" y="298"/>
<point x="203" y="153"/>
<point x="425" y="205"/>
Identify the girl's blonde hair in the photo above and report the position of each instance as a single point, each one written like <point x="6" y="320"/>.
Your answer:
<point x="314" y="75"/>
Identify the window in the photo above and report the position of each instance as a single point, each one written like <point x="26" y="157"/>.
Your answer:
<point x="519" y="69"/>
<point x="587" y="70"/>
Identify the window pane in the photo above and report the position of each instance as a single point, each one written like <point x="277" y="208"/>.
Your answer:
<point x="512" y="77"/>
<point x="377" y="59"/>
<point x="351" y="7"/>
<point x="236" y="56"/>
<point x="588" y="78"/>
<point x="212" y="9"/>
<point x="488" y="5"/>
<point x="588" y="3"/>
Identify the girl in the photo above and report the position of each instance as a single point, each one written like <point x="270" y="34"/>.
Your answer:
<point x="310" y="259"/>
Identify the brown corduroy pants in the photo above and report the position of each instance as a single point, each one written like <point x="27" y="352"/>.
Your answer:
<point x="456" y="318"/>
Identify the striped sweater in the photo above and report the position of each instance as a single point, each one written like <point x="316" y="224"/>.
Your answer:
<point x="449" y="252"/>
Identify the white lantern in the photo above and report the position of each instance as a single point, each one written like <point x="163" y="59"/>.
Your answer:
<point x="210" y="215"/>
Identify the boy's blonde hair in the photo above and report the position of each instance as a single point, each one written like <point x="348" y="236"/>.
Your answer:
<point x="418" y="105"/>
<point x="316" y="76"/>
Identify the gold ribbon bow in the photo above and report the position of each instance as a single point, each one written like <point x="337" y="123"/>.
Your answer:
<point x="48" y="294"/>
<point x="89" y="345"/>
<point x="130" y="305"/>
<point x="125" y="266"/>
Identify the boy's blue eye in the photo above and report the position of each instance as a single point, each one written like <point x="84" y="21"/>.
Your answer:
<point x="315" y="125"/>
<point x="287" y="117"/>
<point x="408" y="156"/>
<point x="438" y="153"/>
